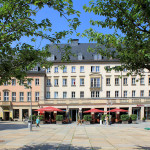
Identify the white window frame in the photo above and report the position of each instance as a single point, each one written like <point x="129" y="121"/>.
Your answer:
<point x="97" y="69"/>
<point x="133" y="81"/>
<point x="125" y="81"/>
<point x="142" y="93"/>
<point x="37" y="81"/>
<point x="107" y="81"/>
<point x="92" y="94"/>
<point x="116" y="93"/>
<point x="92" y="68"/>
<point x="125" y="93"/>
<point x="47" y="94"/>
<point x="55" y="69"/>
<point x="81" y="81"/>
<point x="6" y="96"/>
<point x="29" y="82"/>
<point x="13" y="96"/>
<point x="97" y="94"/>
<point x="56" y="82"/>
<point x="48" y="70"/>
<point x="73" y="69"/>
<point x="55" y="94"/>
<point x="64" y="82"/>
<point x="48" y="82"/>
<point x="142" y="81"/>
<point x="95" y="82"/>
<point x="29" y="96"/>
<point x="21" y="96"/>
<point x="73" y="82"/>
<point x="64" y="94"/>
<point x="81" y="68"/>
<point x="81" y="94"/>
<point x="13" y="82"/>
<point x="108" y="94"/>
<point x="65" y="70"/>
<point x="116" y="81"/>
<point x="37" y="96"/>
<point x="133" y="93"/>
<point x="73" y="94"/>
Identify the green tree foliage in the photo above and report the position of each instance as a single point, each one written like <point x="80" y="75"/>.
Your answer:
<point x="132" y="18"/>
<point x="17" y="21"/>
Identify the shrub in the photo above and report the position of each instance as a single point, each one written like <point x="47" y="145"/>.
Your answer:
<point x="133" y="117"/>
<point x="41" y="117"/>
<point x="125" y="117"/>
<point x="144" y="118"/>
<point x="33" y="117"/>
<point x="87" y="117"/>
<point x="59" y="117"/>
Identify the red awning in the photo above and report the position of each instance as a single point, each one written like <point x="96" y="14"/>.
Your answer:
<point x="94" y="110"/>
<point x="118" y="110"/>
<point x="49" y="109"/>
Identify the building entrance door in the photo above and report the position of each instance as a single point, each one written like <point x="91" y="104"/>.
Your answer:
<point x="137" y="111"/>
<point x="74" y="114"/>
<point x="6" y="116"/>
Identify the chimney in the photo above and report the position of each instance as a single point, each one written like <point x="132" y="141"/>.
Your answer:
<point x="74" y="42"/>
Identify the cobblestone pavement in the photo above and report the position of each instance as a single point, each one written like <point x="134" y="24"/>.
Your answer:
<point x="16" y="135"/>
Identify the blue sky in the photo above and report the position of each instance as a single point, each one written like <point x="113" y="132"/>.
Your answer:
<point x="60" y="24"/>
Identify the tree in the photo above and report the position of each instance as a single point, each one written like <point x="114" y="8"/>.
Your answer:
<point x="16" y="21"/>
<point x="132" y="18"/>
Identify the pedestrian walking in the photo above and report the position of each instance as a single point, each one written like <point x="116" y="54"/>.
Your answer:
<point x="38" y="122"/>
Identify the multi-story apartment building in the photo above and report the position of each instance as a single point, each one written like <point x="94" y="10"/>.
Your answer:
<point x="81" y="84"/>
<point x="15" y="98"/>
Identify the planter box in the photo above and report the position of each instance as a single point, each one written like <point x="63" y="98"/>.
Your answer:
<point x="134" y="122"/>
<point x="87" y="122"/>
<point x="124" y="122"/>
<point x="58" y="122"/>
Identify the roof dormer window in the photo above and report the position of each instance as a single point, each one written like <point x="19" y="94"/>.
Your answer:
<point x="97" y="57"/>
<point x="80" y="57"/>
<point x="52" y="58"/>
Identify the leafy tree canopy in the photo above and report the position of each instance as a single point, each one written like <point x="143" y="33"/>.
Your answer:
<point x="132" y="18"/>
<point x="17" y="21"/>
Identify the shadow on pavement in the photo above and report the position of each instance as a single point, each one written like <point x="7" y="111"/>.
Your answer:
<point x="12" y="126"/>
<point x="143" y="147"/>
<point x="57" y="147"/>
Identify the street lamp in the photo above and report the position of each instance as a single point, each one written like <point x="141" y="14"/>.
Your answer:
<point x="31" y="108"/>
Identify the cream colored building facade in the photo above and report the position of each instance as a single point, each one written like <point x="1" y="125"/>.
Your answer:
<point x="78" y="85"/>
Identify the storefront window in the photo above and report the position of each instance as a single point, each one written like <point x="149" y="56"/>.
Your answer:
<point x="16" y="113"/>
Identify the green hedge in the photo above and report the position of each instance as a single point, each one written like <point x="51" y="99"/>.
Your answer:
<point x="125" y="117"/>
<point x="133" y="117"/>
<point x="41" y="117"/>
<point x="59" y="117"/>
<point x="33" y="117"/>
<point x="87" y="117"/>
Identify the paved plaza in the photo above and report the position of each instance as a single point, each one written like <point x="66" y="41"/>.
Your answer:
<point x="16" y="135"/>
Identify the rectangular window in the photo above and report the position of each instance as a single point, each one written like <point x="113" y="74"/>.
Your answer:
<point x="125" y="70"/>
<point x="0" y="95"/>
<point x="125" y="93"/>
<point x="55" y="94"/>
<point x="47" y="95"/>
<point x="13" y="96"/>
<point x="65" y="70"/>
<point x="13" y="82"/>
<point x="37" y="96"/>
<point x="92" y="94"/>
<point x="36" y="81"/>
<point x="64" y="94"/>
<point x="125" y="81"/>
<point x="92" y="68"/>
<point x="107" y="81"/>
<point x="73" y="69"/>
<point x="81" y="68"/>
<point x="116" y="81"/>
<point x="73" y="82"/>
<point x="142" y="81"/>
<point x="73" y="94"/>
<point x="95" y="82"/>
<point x="29" y="83"/>
<point x="97" y="93"/>
<point x="107" y="93"/>
<point x="21" y="96"/>
<point x="82" y="94"/>
<point x="97" y="68"/>
<point x="133" y="93"/>
<point x="21" y="82"/>
<point x="6" y="96"/>
<point x="48" y="82"/>
<point x="142" y="93"/>
<point x="55" y="82"/>
<point x="116" y="93"/>
<point x="149" y="80"/>
<point x="29" y="96"/>
<point x="133" y="81"/>
<point x="48" y="70"/>
<point x="81" y="81"/>
<point x="64" y="82"/>
<point x="5" y="83"/>
<point x="56" y="70"/>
